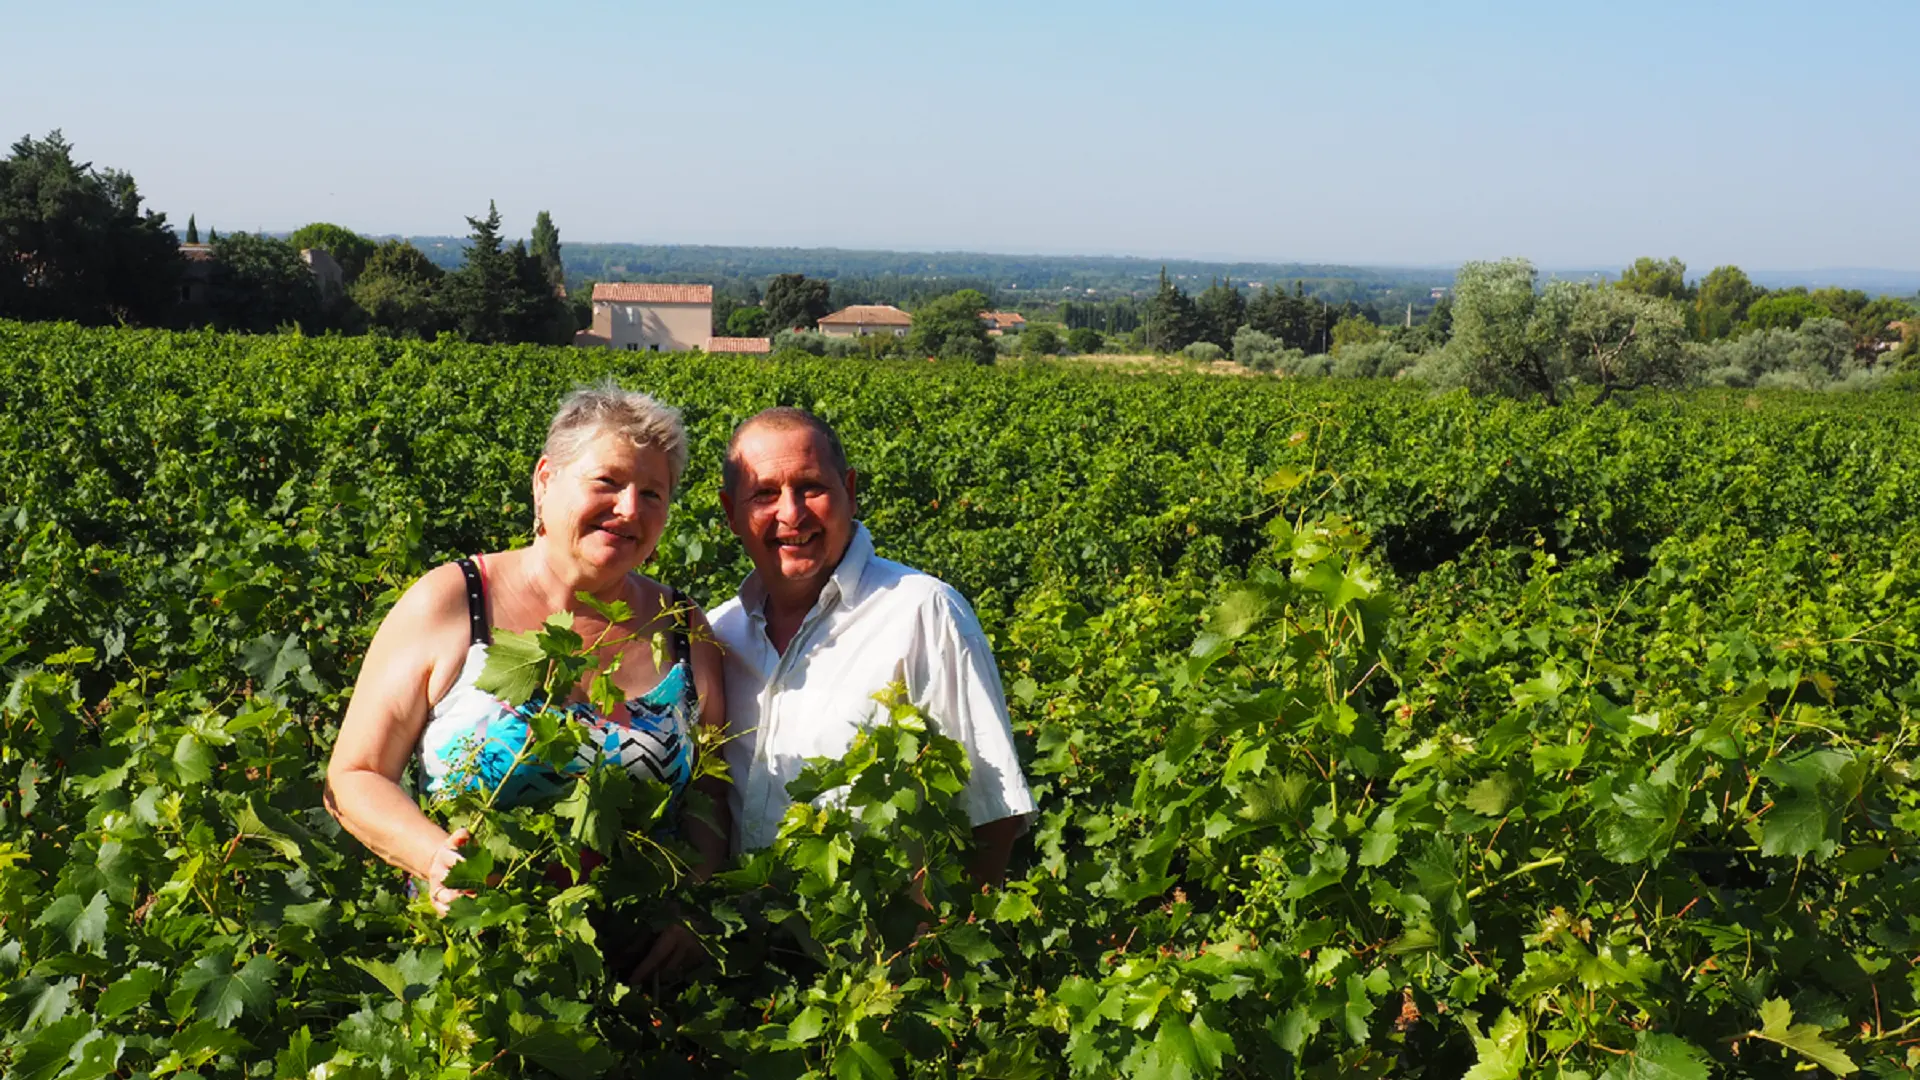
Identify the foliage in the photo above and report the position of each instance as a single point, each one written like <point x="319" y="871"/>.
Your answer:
<point x="1204" y="352"/>
<point x="950" y="328"/>
<point x="1354" y="330"/>
<point x="748" y="322"/>
<point x="545" y="248"/>
<point x="501" y="295"/>
<point x="1623" y="339"/>
<point x="1220" y="311"/>
<point x="259" y="284"/>
<point x="1721" y="301"/>
<point x="1373" y="733"/>
<point x="74" y="243"/>
<point x="1661" y="279"/>
<point x="796" y="302"/>
<point x="399" y="291"/>
<point x="1261" y="351"/>
<point x="1085" y="339"/>
<point x="1783" y="311"/>
<point x="1171" y="321"/>
<point x="1040" y="341"/>
<point x="348" y="248"/>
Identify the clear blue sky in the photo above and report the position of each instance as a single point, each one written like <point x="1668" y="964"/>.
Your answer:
<point x="1772" y="135"/>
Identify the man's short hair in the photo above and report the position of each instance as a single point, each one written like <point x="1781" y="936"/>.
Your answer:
<point x="783" y="418"/>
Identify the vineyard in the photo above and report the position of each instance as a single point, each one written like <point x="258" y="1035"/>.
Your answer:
<point x="1373" y="733"/>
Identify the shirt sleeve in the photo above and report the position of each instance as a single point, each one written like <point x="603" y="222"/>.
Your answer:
<point x="953" y="680"/>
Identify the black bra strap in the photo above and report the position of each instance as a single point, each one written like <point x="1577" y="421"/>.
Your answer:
<point x="476" y="603"/>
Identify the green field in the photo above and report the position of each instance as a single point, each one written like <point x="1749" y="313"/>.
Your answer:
<point x="1374" y="733"/>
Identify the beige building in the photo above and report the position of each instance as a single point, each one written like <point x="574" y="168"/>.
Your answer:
<point x="649" y="318"/>
<point x="863" y="319"/>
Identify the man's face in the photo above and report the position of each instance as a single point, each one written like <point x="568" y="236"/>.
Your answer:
<point x="790" y="508"/>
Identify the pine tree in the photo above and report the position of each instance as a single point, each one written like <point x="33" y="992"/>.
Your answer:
<point x="546" y="248"/>
<point x="479" y="294"/>
<point x="1172" y="322"/>
<point x="193" y="231"/>
<point x="213" y="236"/>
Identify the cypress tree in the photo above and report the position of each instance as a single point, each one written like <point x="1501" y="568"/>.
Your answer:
<point x="193" y="231"/>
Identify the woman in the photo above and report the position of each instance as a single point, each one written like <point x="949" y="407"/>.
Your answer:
<point x="601" y="491"/>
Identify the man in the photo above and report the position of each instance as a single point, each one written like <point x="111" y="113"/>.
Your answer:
<point x="823" y="623"/>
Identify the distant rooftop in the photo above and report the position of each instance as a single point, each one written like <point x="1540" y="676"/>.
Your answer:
<point x="633" y="292"/>
<point x="869" y="315"/>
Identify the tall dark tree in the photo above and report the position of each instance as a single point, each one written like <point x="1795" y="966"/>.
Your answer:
<point x="479" y="297"/>
<point x="795" y="300"/>
<point x="546" y="248"/>
<point x="1298" y="320"/>
<point x="260" y="284"/>
<point x="213" y="236"/>
<point x="74" y="243"/>
<point x="1171" y="319"/>
<point x="538" y="313"/>
<point x="1221" y="310"/>
<point x="193" y="231"/>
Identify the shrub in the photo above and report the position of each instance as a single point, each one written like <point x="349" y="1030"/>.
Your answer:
<point x="1085" y="339"/>
<point x="1204" y="351"/>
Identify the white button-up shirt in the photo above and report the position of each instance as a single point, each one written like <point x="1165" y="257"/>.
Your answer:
<point x="876" y="623"/>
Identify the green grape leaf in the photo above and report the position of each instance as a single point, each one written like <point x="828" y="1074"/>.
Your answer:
<point x="1777" y="1026"/>
<point x="516" y="666"/>
<point x="132" y="990"/>
<point x="1502" y="1051"/>
<point x="82" y="926"/>
<point x="223" y="994"/>
<point x="1660" y="1057"/>
<point x="271" y="661"/>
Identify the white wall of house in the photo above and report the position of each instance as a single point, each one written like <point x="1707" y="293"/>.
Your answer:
<point x="653" y="327"/>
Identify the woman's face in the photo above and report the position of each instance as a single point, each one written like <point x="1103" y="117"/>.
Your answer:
<point x="607" y="507"/>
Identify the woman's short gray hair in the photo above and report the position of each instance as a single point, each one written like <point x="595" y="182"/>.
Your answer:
<point x="592" y="411"/>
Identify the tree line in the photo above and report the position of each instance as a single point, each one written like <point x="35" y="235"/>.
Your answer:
<point x="82" y="249"/>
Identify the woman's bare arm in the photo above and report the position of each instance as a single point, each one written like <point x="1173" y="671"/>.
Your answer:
<point x="383" y="724"/>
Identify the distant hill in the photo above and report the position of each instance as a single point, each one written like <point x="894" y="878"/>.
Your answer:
<point x="1008" y="279"/>
<point x="1039" y="280"/>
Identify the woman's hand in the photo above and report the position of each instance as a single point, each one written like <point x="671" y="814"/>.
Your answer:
<point x="674" y="953"/>
<point x="445" y="857"/>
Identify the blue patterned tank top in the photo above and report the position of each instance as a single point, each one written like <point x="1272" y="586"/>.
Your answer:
<point x="473" y="737"/>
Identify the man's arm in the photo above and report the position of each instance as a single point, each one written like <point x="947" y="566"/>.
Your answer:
<point x="960" y="692"/>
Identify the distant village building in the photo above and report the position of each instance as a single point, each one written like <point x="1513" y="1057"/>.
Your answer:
<point x="196" y="270"/>
<point x="1438" y="292"/>
<point x="649" y="318"/>
<point x="743" y="346"/>
<point x="1003" y="322"/>
<point x="328" y="276"/>
<point x="863" y="319"/>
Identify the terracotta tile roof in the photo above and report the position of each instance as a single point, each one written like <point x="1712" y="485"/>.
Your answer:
<point x="869" y="315"/>
<point x="740" y="345"/>
<point x="196" y="252"/>
<point x="634" y="292"/>
<point x="1004" y="318"/>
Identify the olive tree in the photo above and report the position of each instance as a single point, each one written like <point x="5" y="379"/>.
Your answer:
<point x="1510" y="339"/>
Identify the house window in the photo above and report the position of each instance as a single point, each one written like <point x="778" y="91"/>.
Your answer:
<point x="653" y="348"/>
<point x="631" y="347"/>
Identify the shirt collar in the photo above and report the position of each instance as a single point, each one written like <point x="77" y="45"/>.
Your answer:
<point x="842" y="587"/>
